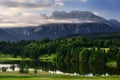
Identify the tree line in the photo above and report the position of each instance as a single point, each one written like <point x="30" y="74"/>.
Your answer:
<point x="75" y="49"/>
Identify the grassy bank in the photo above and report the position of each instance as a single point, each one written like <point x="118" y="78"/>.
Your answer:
<point x="112" y="64"/>
<point x="12" y="59"/>
<point x="44" y="58"/>
<point x="48" y="76"/>
<point x="48" y="58"/>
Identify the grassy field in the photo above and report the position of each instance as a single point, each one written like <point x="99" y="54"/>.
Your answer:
<point x="112" y="64"/>
<point x="44" y="58"/>
<point x="6" y="57"/>
<point x="48" y="76"/>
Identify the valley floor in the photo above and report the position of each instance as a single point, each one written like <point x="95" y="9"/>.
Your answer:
<point x="48" y="76"/>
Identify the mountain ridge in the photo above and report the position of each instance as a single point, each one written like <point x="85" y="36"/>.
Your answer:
<point x="58" y="30"/>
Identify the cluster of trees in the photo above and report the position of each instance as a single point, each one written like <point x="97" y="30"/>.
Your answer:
<point x="89" y="55"/>
<point x="13" y="48"/>
<point x="67" y="49"/>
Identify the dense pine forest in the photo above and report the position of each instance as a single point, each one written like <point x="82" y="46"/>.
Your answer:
<point x="70" y="49"/>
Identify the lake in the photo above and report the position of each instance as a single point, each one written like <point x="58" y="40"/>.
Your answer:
<point x="74" y="69"/>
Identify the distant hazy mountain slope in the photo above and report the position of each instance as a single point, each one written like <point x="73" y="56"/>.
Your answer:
<point x="114" y="23"/>
<point x="80" y="15"/>
<point x="4" y="36"/>
<point x="54" y="31"/>
<point x="20" y="33"/>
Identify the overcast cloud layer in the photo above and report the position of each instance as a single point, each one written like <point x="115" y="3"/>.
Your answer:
<point x="27" y="12"/>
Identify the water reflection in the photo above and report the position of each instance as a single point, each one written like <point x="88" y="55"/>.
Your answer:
<point x="8" y="67"/>
<point x="59" y="68"/>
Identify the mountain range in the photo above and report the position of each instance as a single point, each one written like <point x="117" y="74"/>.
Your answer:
<point x="82" y="22"/>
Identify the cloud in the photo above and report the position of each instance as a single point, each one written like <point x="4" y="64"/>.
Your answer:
<point x="74" y="0"/>
<point x="21" y="19"/>
<point x="31" y="3"/>
<point x="83" y="0"/>
<point x="25" y="12"/>
<point x="59" y="2"/>
<point x="16" y="18"/>
<point x="27" y="3"/>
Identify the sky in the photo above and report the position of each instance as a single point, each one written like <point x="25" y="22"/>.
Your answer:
<point x="27" y="12"/>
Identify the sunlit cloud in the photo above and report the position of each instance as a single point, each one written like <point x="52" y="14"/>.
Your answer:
<point x="74" y="0"/>
<point x="27" y="3"/>
<point x="25" y="12"/>
<point x="19" y="19"/>
<point x="59" y="2"/>
<point x="83" y="0"/>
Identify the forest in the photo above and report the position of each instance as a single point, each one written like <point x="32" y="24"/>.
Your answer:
<point x="70" y="49"/>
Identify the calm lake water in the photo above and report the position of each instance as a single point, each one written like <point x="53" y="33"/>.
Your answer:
<point x="74" y="69"/>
